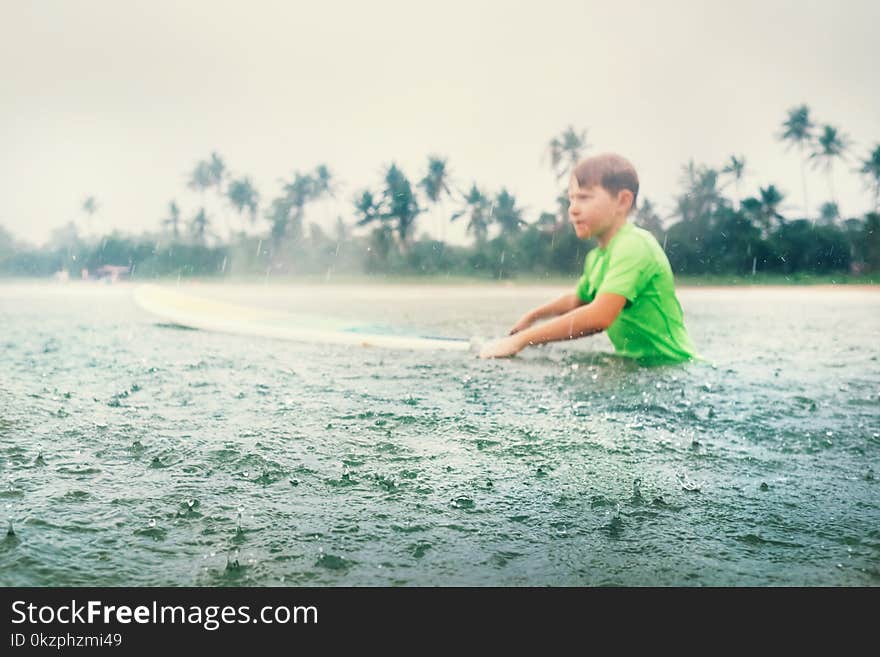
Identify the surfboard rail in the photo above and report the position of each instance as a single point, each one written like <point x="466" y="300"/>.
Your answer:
<point x="196" y="312"/>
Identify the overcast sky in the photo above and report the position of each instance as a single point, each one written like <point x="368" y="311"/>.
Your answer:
<point x="120" y="99"/>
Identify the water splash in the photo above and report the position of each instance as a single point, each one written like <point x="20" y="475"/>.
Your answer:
<point x="689" y="485"/>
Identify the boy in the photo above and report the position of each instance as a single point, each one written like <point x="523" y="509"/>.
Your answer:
<point x="627" y="287"/>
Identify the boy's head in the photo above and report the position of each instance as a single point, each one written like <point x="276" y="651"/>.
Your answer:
<point x="602" y="191"/>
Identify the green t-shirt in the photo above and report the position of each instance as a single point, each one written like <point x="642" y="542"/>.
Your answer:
<point x="651" y="324"/>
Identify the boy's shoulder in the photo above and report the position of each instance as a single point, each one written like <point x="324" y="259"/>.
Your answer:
<point x="639" y="248"/>
<point x="630" y="243"/>
<point x="637" y="232"/>
<point x="636" y="241"/>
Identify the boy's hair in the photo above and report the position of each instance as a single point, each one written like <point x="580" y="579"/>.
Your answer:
<point x="609" y="170"/>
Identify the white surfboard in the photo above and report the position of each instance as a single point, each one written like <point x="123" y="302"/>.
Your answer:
<point x="209" y="315"/>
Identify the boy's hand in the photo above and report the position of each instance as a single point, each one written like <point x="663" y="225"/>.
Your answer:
<point x="502" y="348"/>
<point x="522" y="323"/>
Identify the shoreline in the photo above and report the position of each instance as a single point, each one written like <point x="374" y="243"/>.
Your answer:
<point x="434" y="281"/>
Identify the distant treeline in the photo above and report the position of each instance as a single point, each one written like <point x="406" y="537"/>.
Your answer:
<point x="732" y="245"/>
<point x="709" y="230"/>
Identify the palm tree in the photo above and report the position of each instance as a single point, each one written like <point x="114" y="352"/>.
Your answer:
<point x="702" y="197"/>
<point x="199" y="226"/>
<point x="397" y="205"/>
<point x="707" y="191"/>
<point x="871" y="170"/>
<point x="566" y="151"/>
<point x="797" y="130"/>
<point x="771" y="199"/>
<point x="279" y="218"/>
<point x="173" y="219"/>
<point x="90" y="207"/>
<point x="562" y="206"/>
<point x="829" y="212"/>
<point x="831" y="145"/>
<point x="366" y="207"/>
<point x="243" y="196"/>
<point x="217" y="171"/>
<point x="287" y="212"/>
<point x="300" y="189"/>
<point x="400" y="203"/>
<point x="435" y="184"/>
<point x="764" y="209"/>
<point x="506" y="214"/>
<point x="477" y="208"/>
<point x="323" y="182"/>
<point x="201" y="178"/>
<point x="208" y="174"/>
<point x="436" y="180"/>
<point x="735" y="168"/>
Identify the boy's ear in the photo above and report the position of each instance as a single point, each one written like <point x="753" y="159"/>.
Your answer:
<point x="625" y="197"/>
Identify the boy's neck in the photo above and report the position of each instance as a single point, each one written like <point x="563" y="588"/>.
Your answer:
<point x="603" y="239"/>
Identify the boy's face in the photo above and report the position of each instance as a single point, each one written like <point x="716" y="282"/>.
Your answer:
<point x="592" y="210"/>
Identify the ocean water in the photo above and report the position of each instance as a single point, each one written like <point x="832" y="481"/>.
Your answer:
<point x="133" y="453"/>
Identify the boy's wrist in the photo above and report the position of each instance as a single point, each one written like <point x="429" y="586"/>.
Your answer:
<point x="522" y="339"/>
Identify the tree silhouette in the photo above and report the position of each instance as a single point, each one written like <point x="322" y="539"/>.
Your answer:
<point x="831" y="145"/>
<point x="286" y="212"/>
<point x="797" y="130"/>
<point x="506" y="214"/>
<point x="199" y="226"/>
<point x="90" y="207"/>
<point x="217" y="171"/>
<point x="701" y="197"/>
<point x="436" y="181"/>
<point x="476" y="207"/>
<point x="871" y="170"/>
<point x="173" y="220"/>
<point x="566" y="151"/>
<point x="243" y="196"/>
<point x="829" y="212"/>
<point x="400" y="203"/>
<point x="764" y="210"/>
<point x="735" y="167"/>
<point x="201" y="179"/>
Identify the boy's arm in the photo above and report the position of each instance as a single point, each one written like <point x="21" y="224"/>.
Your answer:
<point x="560" y="306"/>
<point x="591" y="318"/>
